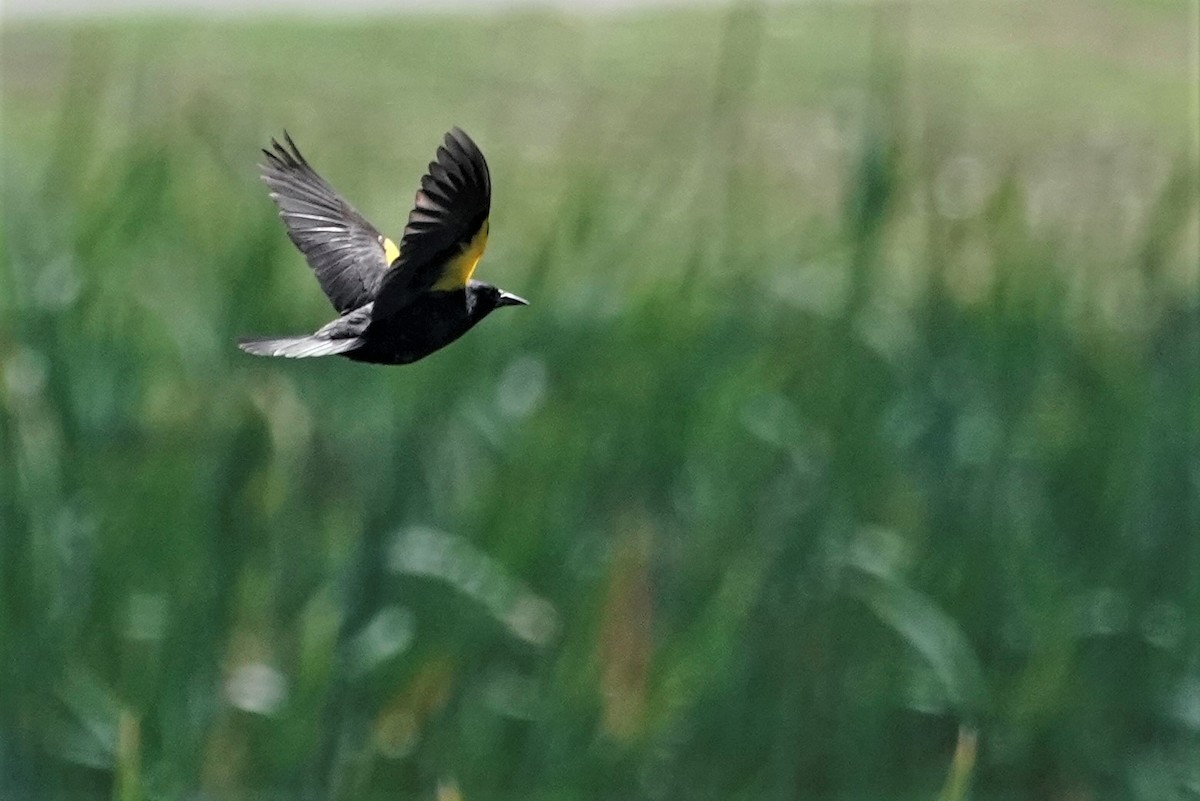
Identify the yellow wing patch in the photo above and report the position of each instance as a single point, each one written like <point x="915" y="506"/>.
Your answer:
<point x="390" y="251"/>
<point x="459" y="269"/>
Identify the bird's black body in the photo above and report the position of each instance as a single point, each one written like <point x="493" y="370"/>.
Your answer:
<point x="397" y="304"/>
<point x="429" y="323"/>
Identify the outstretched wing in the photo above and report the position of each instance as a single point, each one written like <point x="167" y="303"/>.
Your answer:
<point x="348" y="255"/>
<point x="447" y="229"/>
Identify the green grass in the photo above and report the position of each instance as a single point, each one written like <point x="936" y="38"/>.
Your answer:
<point x="856" y="411"/>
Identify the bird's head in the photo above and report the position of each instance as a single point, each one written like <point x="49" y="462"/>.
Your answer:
<point x="485" y="298"/>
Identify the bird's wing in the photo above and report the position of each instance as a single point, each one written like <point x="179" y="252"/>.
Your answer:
<point x="447" y="229"/>
<point x="346" y="252"/>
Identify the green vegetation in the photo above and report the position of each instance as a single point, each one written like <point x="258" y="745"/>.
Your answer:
<point x="848" y="450"/>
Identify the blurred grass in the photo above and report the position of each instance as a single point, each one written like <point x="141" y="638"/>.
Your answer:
<point x="849" y="449"/>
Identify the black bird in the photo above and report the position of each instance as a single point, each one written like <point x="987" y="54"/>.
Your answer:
<point x="397" y="304"/>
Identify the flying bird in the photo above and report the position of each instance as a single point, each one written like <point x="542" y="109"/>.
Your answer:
<point x="397" y="304"/>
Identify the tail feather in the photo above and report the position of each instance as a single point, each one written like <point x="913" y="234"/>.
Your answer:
<point x="298" y="347"/>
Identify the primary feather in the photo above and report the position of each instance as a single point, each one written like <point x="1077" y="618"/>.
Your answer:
<point x="343" y="248"/>
<point x="449" y="219"/>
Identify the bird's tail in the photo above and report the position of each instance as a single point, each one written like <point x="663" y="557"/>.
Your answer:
<point x="298" y="347"/>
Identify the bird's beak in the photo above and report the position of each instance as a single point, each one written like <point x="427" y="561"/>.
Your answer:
<point x="509" y="299"/>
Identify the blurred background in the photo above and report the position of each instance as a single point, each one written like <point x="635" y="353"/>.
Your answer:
<point x="850" y="447"/>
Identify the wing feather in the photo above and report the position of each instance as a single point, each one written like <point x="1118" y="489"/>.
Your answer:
<point x="344" y="250"/>
<point x="447" y="227"/>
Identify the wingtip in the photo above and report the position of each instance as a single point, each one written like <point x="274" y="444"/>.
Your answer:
<point x="457" y="137"/>
<point x="287" y="137"/>
<point x="459" y="147"/>
<point x="285" y="153"/>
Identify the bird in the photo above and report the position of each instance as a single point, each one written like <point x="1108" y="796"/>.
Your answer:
<point x="396" y="303"/>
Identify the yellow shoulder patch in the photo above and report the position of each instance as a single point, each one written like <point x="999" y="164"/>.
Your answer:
<point x="390" y="251"/>
<point x="458" y="270"/>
